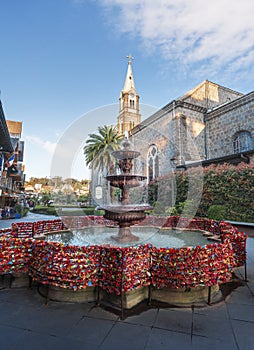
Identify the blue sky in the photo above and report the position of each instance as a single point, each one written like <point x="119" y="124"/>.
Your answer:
<point x="62" y="60"/>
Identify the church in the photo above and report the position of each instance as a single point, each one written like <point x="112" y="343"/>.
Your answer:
<point x="210" y="124"/>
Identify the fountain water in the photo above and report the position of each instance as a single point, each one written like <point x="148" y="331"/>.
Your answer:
<point x="126" y="214"/>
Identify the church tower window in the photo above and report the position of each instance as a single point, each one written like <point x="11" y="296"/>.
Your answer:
<point x="242" y="142"/>
<point x="152" y="163"/>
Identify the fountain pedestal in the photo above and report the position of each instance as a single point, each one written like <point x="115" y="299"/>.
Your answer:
<point x="125" y="234"/>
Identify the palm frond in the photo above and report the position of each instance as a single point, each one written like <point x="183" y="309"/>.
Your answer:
<point x="99" y="147"/>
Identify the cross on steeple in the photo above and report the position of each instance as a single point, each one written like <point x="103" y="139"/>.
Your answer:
<point x="130" y="58"/>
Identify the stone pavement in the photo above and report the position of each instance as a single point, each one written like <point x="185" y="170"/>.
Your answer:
<point x="26" y="323"/>
<point x="30" y="217"/>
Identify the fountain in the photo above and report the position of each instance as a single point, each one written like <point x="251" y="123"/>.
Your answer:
<point x="126" y="214"/>
<point x="123" y="275"/>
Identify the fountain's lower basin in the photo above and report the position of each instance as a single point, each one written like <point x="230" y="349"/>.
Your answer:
<point x="126" y="216"/>
<point x="126" y="275"/>
<point x="146" y="234"/>
<point x="180" y="296"/>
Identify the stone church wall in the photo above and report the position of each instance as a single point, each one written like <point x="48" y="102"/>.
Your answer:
<point x="183" y="131"/>
<point x="210" y="95"/>
<point x="178" y="134"/>
<point x="192" y="140"/>
<point x="157" y="133"/>
<point x="223" y="123"/>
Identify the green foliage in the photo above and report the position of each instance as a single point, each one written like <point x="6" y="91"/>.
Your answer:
<point x="226" y="185"/>
<point x="44" y="181"/>
<point x="159" y="208"/>
<point x="99" y="212"/>
<point x="20" y="209"/>
<point x="231" y="186"/>
<point x="83" y="198"/>
<point x="185" y="207"/>
<point x="41" y="209"/>
<point x="89" y="210"/>
<point x="217" y="212"/>
<point x="99" y="147"/>
<point x="45" y="198"/>
<point x="152" y="192"/>
<point x="170" y="211"/>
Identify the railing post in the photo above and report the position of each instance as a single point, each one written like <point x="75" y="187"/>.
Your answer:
<point x="209" y="295"/>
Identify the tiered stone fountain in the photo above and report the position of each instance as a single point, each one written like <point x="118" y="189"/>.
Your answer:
<point x="126" y="214"/>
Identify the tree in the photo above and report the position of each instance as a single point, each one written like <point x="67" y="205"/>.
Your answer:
<point x="99" y="147"/>
<point x="98" y="151"/>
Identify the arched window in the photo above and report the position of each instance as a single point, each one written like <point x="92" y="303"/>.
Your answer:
<point x="152" y="163"/>
<point x="132" y="105"/>
<point x="242" y="142"/>
<point x="131" y="124"/>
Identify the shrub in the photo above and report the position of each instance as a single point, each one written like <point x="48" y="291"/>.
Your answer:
<point x="217" y="212"/>
<point x="21" y="210"/>
<point x="99" y="212"/>
<point x="228" y="185"/>
<point x="159" y="208"/>
<point x="41" y="209"/>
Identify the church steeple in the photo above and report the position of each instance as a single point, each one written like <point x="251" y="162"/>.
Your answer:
<point x="129" y="80"/>
<point x="129" y="115"/>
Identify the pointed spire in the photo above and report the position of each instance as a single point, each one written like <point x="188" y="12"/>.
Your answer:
<point x="129" y="80"/>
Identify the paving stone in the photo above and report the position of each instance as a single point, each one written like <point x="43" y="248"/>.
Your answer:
<point x="244" y="333"/>
<point x="99" y="312"/>
<point x="91" y="330"/>
<point x="204" y="343"/>
<point x="212" y="327"/>
<point x="217" y="310"/>
<point x="126" y="336"/>
<point x="162" y="339"/>
<point x="32" y="340"/>
<point x="242" y="312"/>
<point x="146" y="318"/>
<point x="242" y="295"/>
<point x="10" y="337"/>
<point x="179" y="320"/>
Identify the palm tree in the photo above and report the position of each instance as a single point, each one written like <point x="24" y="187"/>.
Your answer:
<point x="98" y="151"/>
<point x="99" y="147"/>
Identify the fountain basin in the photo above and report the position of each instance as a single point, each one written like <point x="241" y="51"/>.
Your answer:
<point x="181" y="297"/>
<point x="147" y="235"/>
<point x="126" y="213"/>
<point x="125" y="180"/>
<point x="125" y="216"/>
<point x="127" y="275"/>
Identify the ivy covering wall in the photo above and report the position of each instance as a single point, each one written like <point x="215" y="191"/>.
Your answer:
<point x="227" y="192"/>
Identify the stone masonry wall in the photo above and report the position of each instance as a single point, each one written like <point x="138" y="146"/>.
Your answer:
<point x="159" y="134"/>
<point x="177" y="134"/>
<point x="223" y="123"/>
<point x="210" y="95"/>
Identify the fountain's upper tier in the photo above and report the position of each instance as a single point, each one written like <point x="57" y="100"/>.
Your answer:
<point x="125" y="181"/>
<point x="126" y="152"/>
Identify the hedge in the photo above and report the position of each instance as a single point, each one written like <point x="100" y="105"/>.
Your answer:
<point x="223" y="185"/>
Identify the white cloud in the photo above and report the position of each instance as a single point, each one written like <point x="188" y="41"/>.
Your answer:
<point x="48" y="146"/>
<point x="220" y="32"/>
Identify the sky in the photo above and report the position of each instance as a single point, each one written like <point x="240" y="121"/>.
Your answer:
<point x="63" y="64"/>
